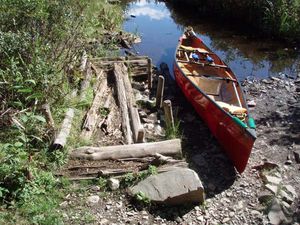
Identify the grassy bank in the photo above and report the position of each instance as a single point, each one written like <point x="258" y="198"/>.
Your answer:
<point x="280" y="18"/>
<point x="39" y="40"/>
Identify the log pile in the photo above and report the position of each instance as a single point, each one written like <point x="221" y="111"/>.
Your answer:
<point x="138" y="66"/>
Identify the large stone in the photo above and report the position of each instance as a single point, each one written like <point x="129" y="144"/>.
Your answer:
<point x="175" y="187"/>
<point x="275" y="214"/>
<point x="113" y="184"/>
<point x="273" y="179"/>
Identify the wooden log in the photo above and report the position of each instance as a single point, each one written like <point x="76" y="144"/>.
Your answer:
<point x="48" y="115"/>
<point x="160" y="91"/>
<point x="118" y="72"/>
<point x="150" y="77"/>
<point x="62" y="136"/>
<point x="92" y="115"/>
<point x="168" y="114"/>
<point x="136" y="126"/>
<point x="169" y="148"/>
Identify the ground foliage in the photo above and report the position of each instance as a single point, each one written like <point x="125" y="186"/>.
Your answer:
<point x="39" y="40"/>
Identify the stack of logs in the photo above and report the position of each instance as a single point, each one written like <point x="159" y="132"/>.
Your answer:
<point x="132" y="129"/>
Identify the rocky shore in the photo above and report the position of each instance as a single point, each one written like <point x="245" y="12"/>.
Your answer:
<point x="266" y="193"/>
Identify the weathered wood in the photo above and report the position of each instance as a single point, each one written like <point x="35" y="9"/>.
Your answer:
<point x="169" y="148"/>
<point x="168" y="114"/>
<point x="119" y="74"/>
<point x="136" y="126"/>
<point x="99" y="76"/>
<point x="150" y="73"/>
<point x="48" y="115"/>
<point x="93" y="114"/>
<point x="62" y="136"/>
<point x="160" y="91"/>
<point x="107" y="102"/>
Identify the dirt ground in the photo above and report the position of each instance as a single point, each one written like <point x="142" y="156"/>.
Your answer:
<point x="231" y="198"/>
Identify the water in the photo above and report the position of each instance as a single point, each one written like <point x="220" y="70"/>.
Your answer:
<point x="247" y="55"/>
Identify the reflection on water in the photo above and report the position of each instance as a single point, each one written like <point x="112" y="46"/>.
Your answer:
<point x="160" y="26"/>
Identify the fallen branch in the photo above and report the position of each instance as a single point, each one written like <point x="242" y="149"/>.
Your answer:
<point x="169" y="148"/>
<point x="62" y="136"/>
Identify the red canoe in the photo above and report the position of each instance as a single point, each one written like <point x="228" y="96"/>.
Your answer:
<point x="213" y="90"/>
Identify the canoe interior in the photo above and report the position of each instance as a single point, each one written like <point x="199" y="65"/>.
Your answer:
<point x="215" y="79"/>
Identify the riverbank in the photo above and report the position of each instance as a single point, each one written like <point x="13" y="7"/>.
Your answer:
<point x="278" y="19"/>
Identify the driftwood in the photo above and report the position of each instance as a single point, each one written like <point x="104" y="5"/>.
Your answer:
<point x="118" y="72"/>
<point x="168" y="114"/>
<point x="169" y="148"/>
<point x="93" y="114"/>
<point x="160" y="91"/>
<point x="62" y="136"/>
<point x="99" y="76"/>
<point x="47" y="112"/>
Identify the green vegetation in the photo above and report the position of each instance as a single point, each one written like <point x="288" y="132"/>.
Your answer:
<point x="39" y="41"/>
<point x="279" y="18"/>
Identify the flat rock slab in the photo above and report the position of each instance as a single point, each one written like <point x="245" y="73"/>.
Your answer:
<point x="179" y="186"/>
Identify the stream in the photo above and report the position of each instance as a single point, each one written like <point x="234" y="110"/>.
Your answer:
<point x="160" y="26"/>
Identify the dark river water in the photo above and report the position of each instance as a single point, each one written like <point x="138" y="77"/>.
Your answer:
<point x="160" y="26"/>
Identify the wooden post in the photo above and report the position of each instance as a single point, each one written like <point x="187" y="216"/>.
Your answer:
<point x="137" y="128"/>
<point x="149" y="73"/>
<point x="168" y="114"/>
<point x="61" y="138"/>
<point x="160" y="91"/>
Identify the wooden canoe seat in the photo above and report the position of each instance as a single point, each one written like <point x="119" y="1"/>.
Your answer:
<point x="232" y="109"/>
<point x="188" y="48"/>
<point x="209" y="86"/>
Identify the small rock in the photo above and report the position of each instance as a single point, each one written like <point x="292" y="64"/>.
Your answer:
<point x="286" y="197"/>
<point x="275" y="78"/>
<point x="200" y="218"/>
<point x="142" y="114"/>
<point x="251" y="103"/>
<point x="276" y="215"/>
<point x="64" y="204"/>
<point x="225" y="220"/>
<point x="149" y="126"/>
<point x="93" y="200"/>
<point x="272" y="188"/>
<point x="272" y="179"/>
<point x="104" y="221"/>
<point x="291" y="190"/>
<point x="95" y="188"/>
<point x="231" y="214"/>
<point x="297" y="155"/>
<point x="288" y="162"/>
<point x="113" y="184"/>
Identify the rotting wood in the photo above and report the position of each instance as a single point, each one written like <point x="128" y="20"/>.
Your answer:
<point x="168" y="148"/>
<point x="99" y="76"/>
<point x="122" y="102"/>
<point x="136" y="126"/>
<point x="160" y="91"/>
<point x="62" y="136"/>
<point x="168" y="114"/>
<point x="47" y="112"/>
<point x="107" y="102"/>
<point x="92" y="115"/>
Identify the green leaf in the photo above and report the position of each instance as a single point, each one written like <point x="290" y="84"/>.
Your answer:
<point x="18" y="144"/>
<point x="31" y="81"/>
<point x="40" y="118"/>
<point x="25" y="90"/>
